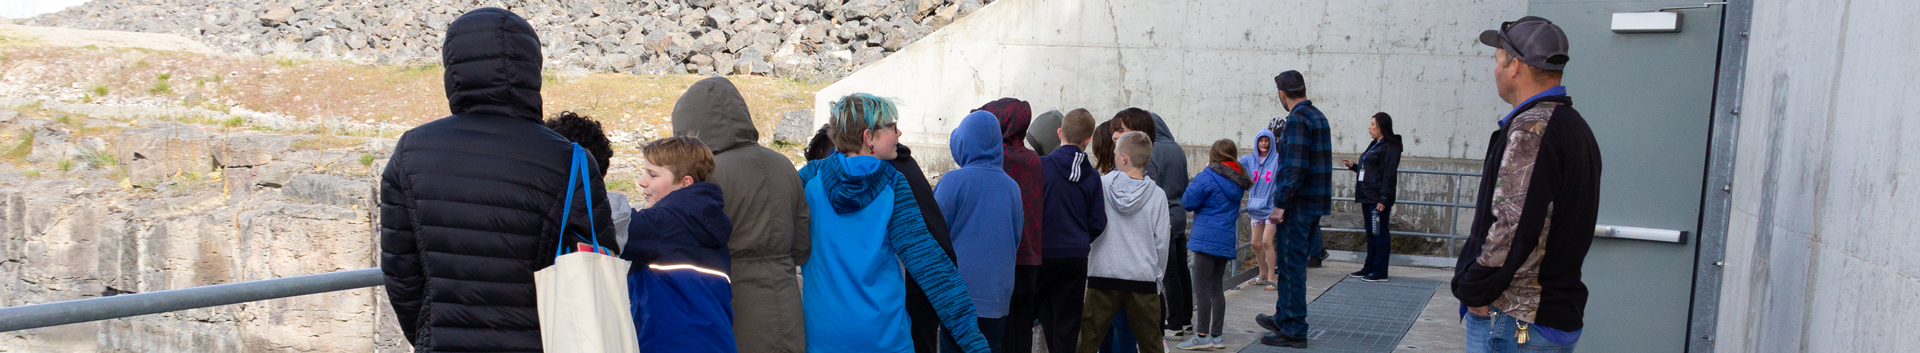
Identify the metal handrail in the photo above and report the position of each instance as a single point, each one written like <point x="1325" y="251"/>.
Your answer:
<point x="128" y="305"/>
<point x="1453" y="208"/>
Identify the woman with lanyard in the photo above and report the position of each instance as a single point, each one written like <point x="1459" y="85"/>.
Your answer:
<point x="1378" y="173"/>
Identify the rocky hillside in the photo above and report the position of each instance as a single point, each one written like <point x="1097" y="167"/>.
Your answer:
<point x="137" y="162"/>
<point x="819" y="40"/>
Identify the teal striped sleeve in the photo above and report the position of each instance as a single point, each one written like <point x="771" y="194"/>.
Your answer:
<point x="937" y="275"/>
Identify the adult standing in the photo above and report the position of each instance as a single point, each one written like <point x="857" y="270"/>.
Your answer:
<point x="1303" y="193"/>
<point x="763" y="196"/>
<point x="470" y="204"/>
<point x="1378" y="175"/>
<point x="1518" y="276"/>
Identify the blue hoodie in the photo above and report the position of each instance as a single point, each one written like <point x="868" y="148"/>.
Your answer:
<point x="983" y="211"/>
<point x="1261" y="169"/>
<point x="681" y="295"/>
<point x="866" y="226"/>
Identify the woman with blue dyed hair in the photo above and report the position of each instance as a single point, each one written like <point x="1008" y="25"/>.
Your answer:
<point x="867" y="228"/>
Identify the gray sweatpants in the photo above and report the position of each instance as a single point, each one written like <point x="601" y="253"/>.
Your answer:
<point x="1209" y="299"/>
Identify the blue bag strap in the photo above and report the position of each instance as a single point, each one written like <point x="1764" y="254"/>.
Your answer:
<point x="574" y="177"/>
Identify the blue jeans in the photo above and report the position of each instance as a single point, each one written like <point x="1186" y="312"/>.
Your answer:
<point x="1495" y="333"/>
<point x="1291" y="248"/>
<point x="1379" y="241"/>
<point x="1317" y="246"/>
<point x="992" y="328"/>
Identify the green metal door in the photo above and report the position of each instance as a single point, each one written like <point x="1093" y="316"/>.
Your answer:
<point x="1649" y="98"/>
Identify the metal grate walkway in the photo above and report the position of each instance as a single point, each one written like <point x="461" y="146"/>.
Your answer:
<point x="1356" y="316"/>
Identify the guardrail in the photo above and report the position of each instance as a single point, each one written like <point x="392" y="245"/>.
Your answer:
<point x="136" y="304"/>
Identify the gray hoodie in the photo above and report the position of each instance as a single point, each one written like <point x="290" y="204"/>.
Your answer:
<point x="1132" y="254"/>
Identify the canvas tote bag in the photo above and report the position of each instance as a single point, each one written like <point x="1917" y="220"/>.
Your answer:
<point x="582" y="298"/>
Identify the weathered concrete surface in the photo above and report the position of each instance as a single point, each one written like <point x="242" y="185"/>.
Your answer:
<point x="1207" y="66"/>
<point x="1821" y="252"/>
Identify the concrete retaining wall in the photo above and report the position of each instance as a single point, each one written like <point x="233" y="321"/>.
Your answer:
<point x="1207" y="66"/>
<point x="1821" y="252"/>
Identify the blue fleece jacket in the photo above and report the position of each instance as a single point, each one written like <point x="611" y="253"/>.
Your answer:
<point x="1214" y="199"/>
<point x="866" y="226"/>
<point x="682" y="298"/>
<point x="1075" y="212"/>
<point x="1261" y="167"/>
<point x="982" y="207"/>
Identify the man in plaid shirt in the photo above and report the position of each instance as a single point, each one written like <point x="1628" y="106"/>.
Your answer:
<point x="1303" y="192"/>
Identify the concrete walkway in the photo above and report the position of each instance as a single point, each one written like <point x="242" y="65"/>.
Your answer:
<point x="1437" y="329"/>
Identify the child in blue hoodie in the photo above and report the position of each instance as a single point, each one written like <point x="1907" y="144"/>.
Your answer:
<point x="1214" y="199"/>
<point x="682" y="296"/>
<point x="1261" y="166"/>
<point x="866" y="229"/>
<point x="981" y="204"/>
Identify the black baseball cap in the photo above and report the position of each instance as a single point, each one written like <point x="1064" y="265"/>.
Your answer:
<point x="1534" y="40"/>
<point x="1290" y="81"/>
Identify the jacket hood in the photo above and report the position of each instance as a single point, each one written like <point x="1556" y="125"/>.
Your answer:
<point x="1162" y="134"/>
<point x="1238" y="178"/>
<point x="1393" y="139"/>
<point x="713" y="111"/>
<point x="492" y="59"/>
<point x="974" y="143"/>
<point x="701" y="202"/>
<point x="1041" y="134"/>
<point x="1126" y="194"/>
<point x="1273" y="145"/>
<point x="1014" y="117"/>
<point x="853" y="182"/>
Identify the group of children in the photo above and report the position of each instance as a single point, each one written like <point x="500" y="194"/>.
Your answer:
<point x="1091" y="249"/>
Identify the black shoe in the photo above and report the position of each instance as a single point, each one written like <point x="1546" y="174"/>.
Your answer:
<point x="1266" y="322"/>
<point x="1374" y="279"/>
<point x="1314" y="262"/>
<point x="1278" y="340"/>
<point x="1358" y="274"/>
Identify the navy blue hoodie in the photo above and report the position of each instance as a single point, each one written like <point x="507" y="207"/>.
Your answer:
<point x="679" y="285"/>
<point x="1075" y="211"/>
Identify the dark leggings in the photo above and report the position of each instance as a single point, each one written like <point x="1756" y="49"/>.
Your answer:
<point x="1208" y="297"/>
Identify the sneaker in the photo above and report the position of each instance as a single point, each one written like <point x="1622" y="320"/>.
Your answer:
<point x="1217" y="344"/>
<point x="1314" y="262"/>
<point x="1175" y="335"/>
<point x="1358" y="274"/>
<point x="1374" y="279"/>
<point x="1278" y="340"/>
<point x="1196" y="343"/>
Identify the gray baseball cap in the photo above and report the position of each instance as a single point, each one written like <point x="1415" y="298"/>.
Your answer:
<point x="1534" y="40"/>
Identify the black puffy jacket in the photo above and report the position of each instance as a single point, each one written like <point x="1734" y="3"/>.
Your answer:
<point x="470" y="204"/>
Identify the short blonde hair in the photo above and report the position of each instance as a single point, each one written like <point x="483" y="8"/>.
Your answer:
<point x="1136" y="146"/>
<point x="681" y="155"/>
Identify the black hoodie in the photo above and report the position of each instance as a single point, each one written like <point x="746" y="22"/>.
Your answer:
<point x="471" y="204"/>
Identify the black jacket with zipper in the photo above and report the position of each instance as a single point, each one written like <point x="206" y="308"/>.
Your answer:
<point x="470" y="204"/>
<point x="1380" y="172"/>
<point x="1527" y="245"/>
